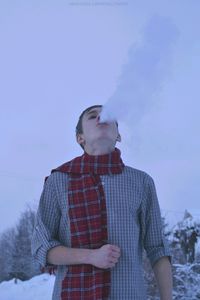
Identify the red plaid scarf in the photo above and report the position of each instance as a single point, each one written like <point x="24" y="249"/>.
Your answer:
<point x="88" y="222"/>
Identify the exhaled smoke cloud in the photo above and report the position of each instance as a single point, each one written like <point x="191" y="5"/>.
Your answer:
<point x="144" y="74"/>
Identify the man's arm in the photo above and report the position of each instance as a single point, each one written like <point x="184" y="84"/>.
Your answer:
<point x="105" y="257"/>
<point x="163" y="273"/>
<point x="155" y="243"/>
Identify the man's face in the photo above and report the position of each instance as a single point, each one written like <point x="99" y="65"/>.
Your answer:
<point x="95" y="132"/>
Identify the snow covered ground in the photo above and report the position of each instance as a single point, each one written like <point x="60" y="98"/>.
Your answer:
<point x="186" y="285"/>
<point x="37" y="288"/>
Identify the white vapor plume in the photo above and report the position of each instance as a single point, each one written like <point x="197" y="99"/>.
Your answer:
<point x="144" y="73"/>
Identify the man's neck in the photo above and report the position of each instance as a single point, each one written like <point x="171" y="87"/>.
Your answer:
<point x="99" y="150"/>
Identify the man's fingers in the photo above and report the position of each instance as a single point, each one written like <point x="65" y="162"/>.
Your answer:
<point x="113" y="261"/>
<point x="116" y="252"/>
<point x="115" y="248"/>
<point x="115" y="255"/>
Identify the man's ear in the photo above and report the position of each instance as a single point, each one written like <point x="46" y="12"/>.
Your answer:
<point x="79" y="138"/>
<point x="119" y="138"/>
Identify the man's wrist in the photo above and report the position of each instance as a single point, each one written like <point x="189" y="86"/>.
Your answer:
<point x="87" y="256"/>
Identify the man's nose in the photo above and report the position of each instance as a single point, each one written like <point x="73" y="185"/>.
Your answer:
<point x="98" y="118"/>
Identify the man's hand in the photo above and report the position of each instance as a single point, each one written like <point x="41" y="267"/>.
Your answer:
<point x="105" y="257"/>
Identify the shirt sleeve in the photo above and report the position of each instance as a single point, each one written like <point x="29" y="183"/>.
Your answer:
<point x="45" y="233"/>
<point x="154" y="241"/>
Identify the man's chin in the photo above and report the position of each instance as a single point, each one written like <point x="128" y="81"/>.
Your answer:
<point x="105" y="141"/>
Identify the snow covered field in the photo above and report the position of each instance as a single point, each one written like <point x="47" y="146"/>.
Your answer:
<point x="186" y="285"/>
<point x="37" y="288"/>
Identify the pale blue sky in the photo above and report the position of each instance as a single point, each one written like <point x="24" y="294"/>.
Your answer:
<point x="56" y="59"/>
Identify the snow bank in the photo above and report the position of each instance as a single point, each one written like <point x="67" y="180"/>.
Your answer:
<point x="39" y="287"/>
<point x="186" y="285"/>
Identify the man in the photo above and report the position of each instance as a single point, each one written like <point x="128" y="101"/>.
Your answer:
<point x="95" y="217"/>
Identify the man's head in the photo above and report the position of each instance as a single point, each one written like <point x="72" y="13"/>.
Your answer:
<point x="90" y="133"/>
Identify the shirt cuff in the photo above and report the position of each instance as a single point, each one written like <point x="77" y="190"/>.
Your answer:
<point x="156" y="253"/>
<point x="40" y="254"/>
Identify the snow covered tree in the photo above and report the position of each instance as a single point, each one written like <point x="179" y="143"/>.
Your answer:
<point x="23" y="267"/>
<point x="15" y="249"/>
<point x="7" y="241"/>
<point x="185" y="235"/>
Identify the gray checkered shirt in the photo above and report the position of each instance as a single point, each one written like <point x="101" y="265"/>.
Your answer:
<point x="133" y="220"/>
